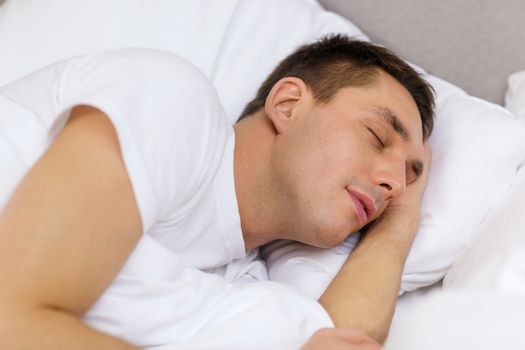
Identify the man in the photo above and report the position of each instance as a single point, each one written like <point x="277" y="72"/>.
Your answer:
<point x="130" y="145"/>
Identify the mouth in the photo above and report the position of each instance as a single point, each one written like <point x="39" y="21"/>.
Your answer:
<point x="365" y="207"/>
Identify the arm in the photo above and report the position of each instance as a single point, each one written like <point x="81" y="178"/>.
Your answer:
<point x="64" y="235"/>
<point x="364" y="292"/>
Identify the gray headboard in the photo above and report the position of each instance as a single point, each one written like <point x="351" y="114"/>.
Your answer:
<point x="475" y="44"/>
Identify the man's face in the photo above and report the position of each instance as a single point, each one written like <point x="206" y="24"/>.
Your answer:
<point x="341" y="163"/>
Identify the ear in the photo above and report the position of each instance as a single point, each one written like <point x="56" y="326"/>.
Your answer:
<point x="284" y="101"/>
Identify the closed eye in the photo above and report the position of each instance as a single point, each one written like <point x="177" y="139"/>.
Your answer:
<point x="381" y="143"/>
<point x="414" y="172"/>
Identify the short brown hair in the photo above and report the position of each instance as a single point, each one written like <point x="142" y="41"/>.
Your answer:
<point x="337" y="61"/>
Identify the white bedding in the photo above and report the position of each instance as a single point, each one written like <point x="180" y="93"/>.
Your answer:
<point x="482" y="303"/>
<point x="460" y="191"/>
<point x="460" y="319"/>
<point x="236" y="43"/>
<point x="515" y="96"/>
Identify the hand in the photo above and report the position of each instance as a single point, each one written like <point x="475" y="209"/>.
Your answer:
<point x="411" y="199"/>
<point x="341" y="339"/>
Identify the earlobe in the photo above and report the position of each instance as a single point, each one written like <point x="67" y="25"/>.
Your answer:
<point x="283" y="101"/>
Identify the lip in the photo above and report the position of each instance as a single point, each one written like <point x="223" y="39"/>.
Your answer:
<point x="365" y="207"/>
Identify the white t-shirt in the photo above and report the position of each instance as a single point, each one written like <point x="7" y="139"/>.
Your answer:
<point x="178" y="148"/>
<point x="174" y="139"/>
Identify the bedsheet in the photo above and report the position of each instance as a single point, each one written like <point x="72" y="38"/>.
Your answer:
<point x="460" y="319"/>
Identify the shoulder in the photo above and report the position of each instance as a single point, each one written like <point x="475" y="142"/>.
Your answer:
<point x="142" y="63"/>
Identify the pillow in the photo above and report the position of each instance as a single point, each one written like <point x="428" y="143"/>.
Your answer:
<point x="33" y="36"/>
<point x="494" y="257"/>
<point x="261" y="33"/>
<point x="469" y="134"/>
<point x="515" y="96"/>
<point x="236" y="43"/>
<point x="477" y="148"/>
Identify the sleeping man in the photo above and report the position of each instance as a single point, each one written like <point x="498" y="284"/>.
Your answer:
<point x="127" y="197"/>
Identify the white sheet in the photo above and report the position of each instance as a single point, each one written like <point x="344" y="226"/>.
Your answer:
<point x="515" y="97"/>
<point x="199" y="310"/>
<point x="459" y="320"/>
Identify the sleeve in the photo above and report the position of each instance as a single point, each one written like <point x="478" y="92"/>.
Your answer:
<point x="171" y="126"/>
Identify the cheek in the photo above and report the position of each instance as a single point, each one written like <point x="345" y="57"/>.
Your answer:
<point x="323" y="161"/>
<point x="298" y="169"/>
<point x="308" y="156"/>
<point x="358" y="161"/>
<point x="340" y="151"/>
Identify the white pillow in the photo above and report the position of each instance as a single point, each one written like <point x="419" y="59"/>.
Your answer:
<point x="237" y="43"/>
<point x="476" y="147"/>
<point x="33" y="34"/>
<point x="495" y="256"/>
<point x="261" y="33"/>
<point x="515" y="97"/>
<point x="469" y="135"/>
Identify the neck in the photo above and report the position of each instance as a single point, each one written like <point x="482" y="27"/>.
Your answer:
<point x="254" y="186"/>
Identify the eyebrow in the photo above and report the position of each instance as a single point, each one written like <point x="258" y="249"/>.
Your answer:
<point x="392" y="119"/>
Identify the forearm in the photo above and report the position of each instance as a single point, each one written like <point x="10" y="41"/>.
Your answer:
<point x="47" y="328"/>
<point x="364" y="292"/>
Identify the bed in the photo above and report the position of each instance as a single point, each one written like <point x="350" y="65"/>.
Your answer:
<point x="466" y="50"/>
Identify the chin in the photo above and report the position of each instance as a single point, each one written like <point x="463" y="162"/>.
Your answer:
<point x="329" y="238"/>
<point x="327" y="226"/>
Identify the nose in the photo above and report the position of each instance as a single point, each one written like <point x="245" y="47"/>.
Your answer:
<point x="390" y="177"/>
